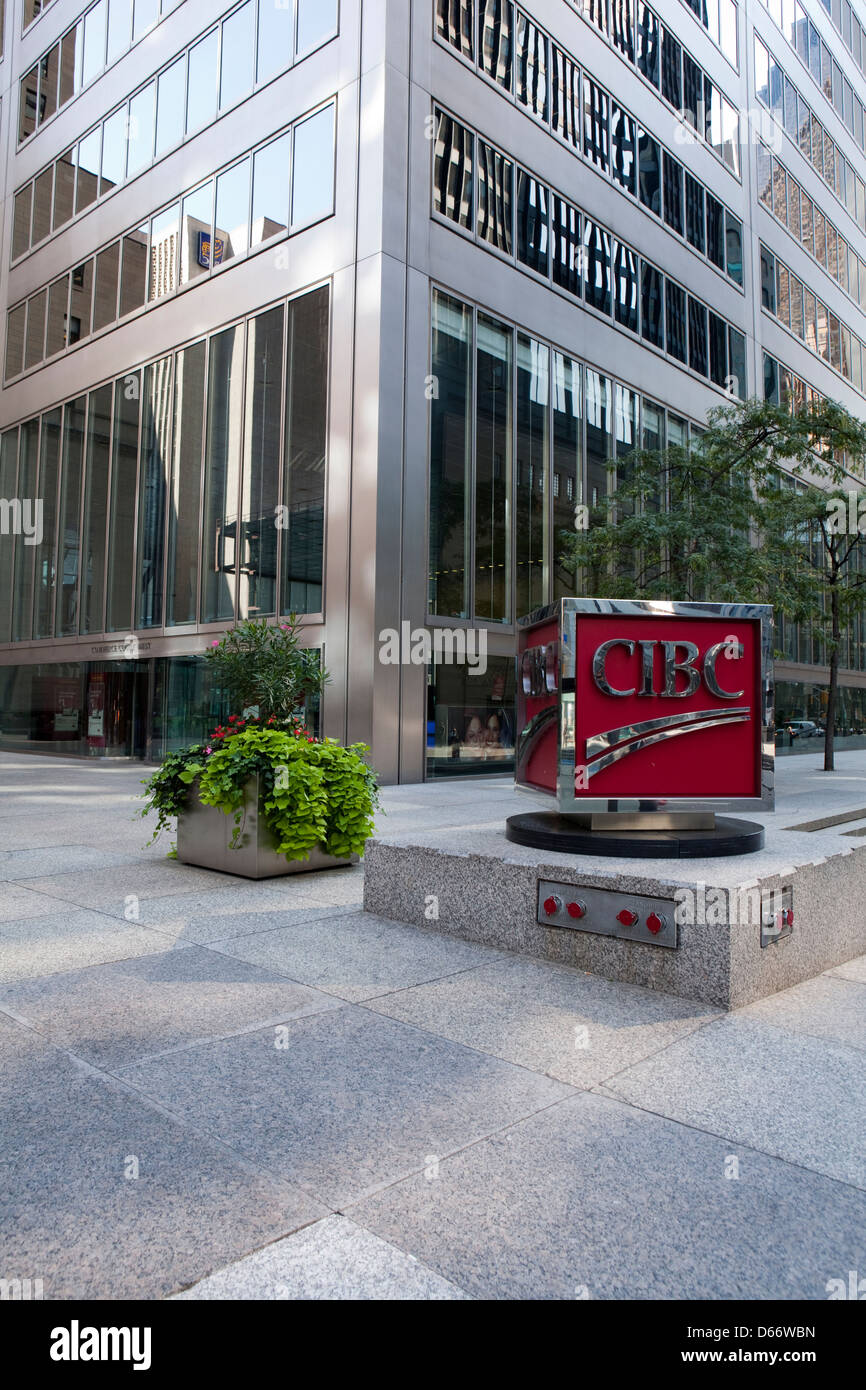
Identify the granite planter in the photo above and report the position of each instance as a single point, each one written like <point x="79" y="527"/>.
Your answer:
<point x="204" y="835"/>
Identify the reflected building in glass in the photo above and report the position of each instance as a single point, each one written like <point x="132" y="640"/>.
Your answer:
<point x="349" y="311"/>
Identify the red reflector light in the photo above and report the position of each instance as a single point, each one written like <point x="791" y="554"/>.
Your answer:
<point x="626" y="917"/>
<point x="550" y="906"/>
<point x="576" y="909"/>
<point x="654" y="923"/>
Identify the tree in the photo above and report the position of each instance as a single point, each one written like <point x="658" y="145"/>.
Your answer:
<point x="714" y="521"/>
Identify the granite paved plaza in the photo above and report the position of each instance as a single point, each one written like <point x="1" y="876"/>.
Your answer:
<point x="212" y="1088"/>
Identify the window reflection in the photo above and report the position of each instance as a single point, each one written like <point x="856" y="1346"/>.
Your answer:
<point x="232" y="213"/>
<point x="87" y="182"/>
<point x="94" y="43"/>
<point x="222" y="465"/>
<point x="171" y="92"/>
<point x="184" y="485"/>
<point x="201" y="96"/>
<point x="114" y="133"/>
<point x="450" y="455"/>
<point x="257" y="541"/>
<point x="274" y="39"/>
<point x="313" y="169"/>
<point x="164" y="253"/>
<point x="133" y="275"/>
<point x="317" y="21"/>
<point x="197" y="251"/>
<point x="153" y="478"/>
<point x="141" y="114"/>
<point x="236" y="63"/>
<point x="271" y="189"/>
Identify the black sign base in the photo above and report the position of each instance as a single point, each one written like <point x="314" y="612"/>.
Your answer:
<point x="549" y="830"/>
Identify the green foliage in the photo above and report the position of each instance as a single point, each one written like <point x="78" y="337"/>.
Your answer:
<point x="312" y="792"/>
<point x="263" y="666"/>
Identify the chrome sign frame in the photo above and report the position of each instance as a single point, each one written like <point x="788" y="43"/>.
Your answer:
<point x="554" y="674"/>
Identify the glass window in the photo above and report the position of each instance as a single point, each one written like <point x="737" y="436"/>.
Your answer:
<point x="260" y="490"/>
<point x="531" y="66"/>
<point x="237" y="55"/>
<point x="92" y="618"/>
<point x="80" y="301"/>
<point x="145" y="15"/>
<point x="783" y="301"/>
<point x="648" y="44"/>
<point x="141" y="119"/>
<point x="493" y="218"/>
<point x="567" y="468"/>
<point x="495" y="40"/>
<point x="171" y="91"/>
<point x="565" y="97"/>
<point x="71" y="58"/>
<point x="153" y="483"/>
<point x="737" y="362"/>
<point x="493" y="471"/>
<point x="94" y="42"/>
<point x="734" y="247"/>
<point x="533" y="201"/>
<point x="133" y="273"/>
<point x="313" y="169"/>
<point x="201" y="94"/>
<point x="66" y="613"/>
<point x="597" y="268"/>
<point x="625" y="279"/>
<point x="48" y="69"/>
<point x="87" y="180"/>
<point x="649" y="172"/>
<point x="196" y="227"/>
<point x="21" y="221"/>
<point x="796" y="292"/>
<point x="185" y="485"/>
<point x="673" y="193"/>
<point x="675" y="312"/>
<point x="532" y="486"/>
<point x="114" y="132"/>
<point x="306" y="453"/>
<point x="34" y="347"/>
<point x="274" y="40"/>
<point x="165" y="253"/>
<point x="58" y="308"/>
<point x="698" y="351"/>
<point x="454" y="24"/>
<point x="271" y="189"/>
<point x="695" y="213"/>
<point x="596" y="12"/>
<point x="118" y="28"/>
<point x="23" y="561"/>
<point x="693" y="91"/>
<point x="672" y="87"/>
<point x="599" y="444"/>
<point x="595" y="124"/>
<point x="105" y="296"/>
<point x="49" y="467"/>
<point x="43" y="195"/>
<point x="622" y="145"/>
<point x="715" y="231"/>
<point x="622" y="27"/>
<point x="232" y="219"/>
<point x="64" y="189"/>
<point x="222" y="468"/>
<point x="121" y="526"/>
<point x="28" y="103"/>
<point x="16" y="322"/>
<point x="317" y="21"/>
<point x="567" y="247"/>
<point x="768" y="280"/>
<point x="728" y="30"/>
<point x="652" y="305"/>
<point x="718" y="350"/>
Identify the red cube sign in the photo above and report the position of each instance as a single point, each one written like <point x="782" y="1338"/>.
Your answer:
<point x="623" y="704"/>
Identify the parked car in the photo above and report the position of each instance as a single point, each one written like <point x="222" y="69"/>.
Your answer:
<point x="802" y="728"/>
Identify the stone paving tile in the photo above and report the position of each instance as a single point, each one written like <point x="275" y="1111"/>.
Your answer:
<point x="332" y="1259"/>
<point x="567" y="1024"/>
<point x="592" y="1198"/>
<point x="118" y="1013"/>
<point x="796" y="1097"/>
<point x="827" y="1007"/>
<point x="226" y="913"/>
<point x="107" y="890"/>
<point x="75" y="1214"/>
<point x="357" y="956"/>
<point x="330" y="887"/>
<point x="851" y="970"/>
<point x="343" y="1102"/>
<point x="18" y="901"/>
<point x="61" y="859"/>
<point x="69" y="940"/>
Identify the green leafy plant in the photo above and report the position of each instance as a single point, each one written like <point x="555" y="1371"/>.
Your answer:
<point x="312" y="791"/>
<point x="263" y="666"/>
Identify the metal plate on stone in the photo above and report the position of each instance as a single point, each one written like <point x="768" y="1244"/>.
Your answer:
<point x="777" y="915"/>
<point x="606" y="912"/>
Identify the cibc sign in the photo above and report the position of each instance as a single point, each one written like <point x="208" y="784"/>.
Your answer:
<point x="641" y="706"/>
